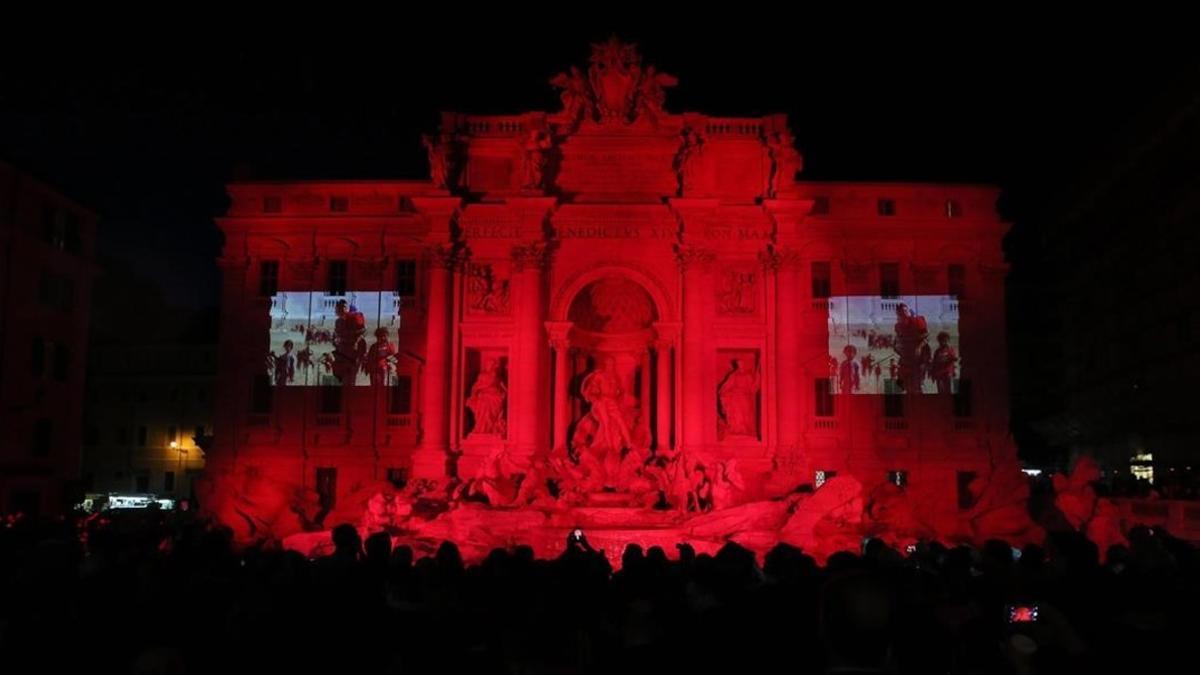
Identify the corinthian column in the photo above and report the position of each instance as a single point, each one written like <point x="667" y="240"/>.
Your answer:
<point x="527" y="413"/>
<point x="429" y="460"/>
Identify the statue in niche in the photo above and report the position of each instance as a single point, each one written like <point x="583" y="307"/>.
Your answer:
<point x="737" y="395"/>
<point x="737" y="296"/>
<point x="605" y="432"/>
<point x="687" y="161"/>
<point x="486" y="401"/>
<point x="536" y="149"/>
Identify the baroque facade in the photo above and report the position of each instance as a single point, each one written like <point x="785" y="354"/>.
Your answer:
<point x="577" y="301"/>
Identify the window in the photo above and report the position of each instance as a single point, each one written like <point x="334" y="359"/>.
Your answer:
<point x="898" y="478"/>
<point x="893" y="404"/>
<point x="62" y="362"/>
<point x="406" y="278"/>
<point x="261" y="394"/>
<point x="953" y="209"/>
<point x="962" y="399"/>
<point x="820" y="206"/>
<point x="169" y="481"/>
<point x="397" y="477"/>
<point x="268" y="278"/>
<point x="71" y="239"/>
<point x="141" y="437"/>
<point x="339" y="204"/>
<point x="331" y="400"/>
<point x="122" y="435"/>
<point x="272" y="204"/>
<point x="823" y="396"/>
<point x="337" y="277"/>
<point x="956" y="280"/>
<point x="889" y="280"/>
<point x="400" y="401"/>
<point x="886" y="207"/>
<point x="41" y="437"/>
<point x="143" y="483"/>
<point x="822" y="280"/>
<point x="54" y="227"/>
<point x="38" y="357"/>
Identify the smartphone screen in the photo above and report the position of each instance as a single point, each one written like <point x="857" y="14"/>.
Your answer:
<point x="1022" y="613"/>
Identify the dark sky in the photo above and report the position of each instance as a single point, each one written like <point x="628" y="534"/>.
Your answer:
<point x="146" y="131"/>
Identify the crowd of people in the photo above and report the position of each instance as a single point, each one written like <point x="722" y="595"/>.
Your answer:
<point x="164" y="592"/>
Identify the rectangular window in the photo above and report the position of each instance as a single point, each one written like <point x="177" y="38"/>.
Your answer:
<point x="886" y="207"/>
<point x="268" y="278"/>
<point x="820" y="206"/>
<point x="339" y="204"/>
<point x="962" y="399"/>
<point x="143" y="483"/>
<point x="72" y="242"/>
<point x="337" y="277"/>
<point x="822" y="280"/>
<point x="893" y="405"/>
<point x="272" y="204"/>
<point x="953" y="209"/>
<point x="398" y="477"/>
<point x="331" y="400"/>
<point x="898" y="478"/>
<point x="889" y="280"/>
<point x="406" y="278"/>
<point x="823" y="396"/>
<point x="956" y="281"/>
<point x="400" y="402"/>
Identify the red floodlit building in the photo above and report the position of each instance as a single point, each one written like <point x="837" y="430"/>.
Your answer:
<point x="46" y="272"/>
<point x="573" y="287"/>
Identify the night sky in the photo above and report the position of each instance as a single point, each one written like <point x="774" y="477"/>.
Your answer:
<point x="146" y="132"/>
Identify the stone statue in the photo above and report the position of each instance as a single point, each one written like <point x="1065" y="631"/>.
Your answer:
<point x="687" y="160"/>
<point x="576" y="97"/>
<point x="652" y="95"/>
<point x="614" y="74"/>
<point x="786" y="162"/>
<point x="438" y="161"/>
<point x="486" y="401"/>
<point x="737" y="395"/>
<point x="536" y="150"/>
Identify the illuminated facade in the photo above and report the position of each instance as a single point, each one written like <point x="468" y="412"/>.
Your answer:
<point x="596" y="290"/>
